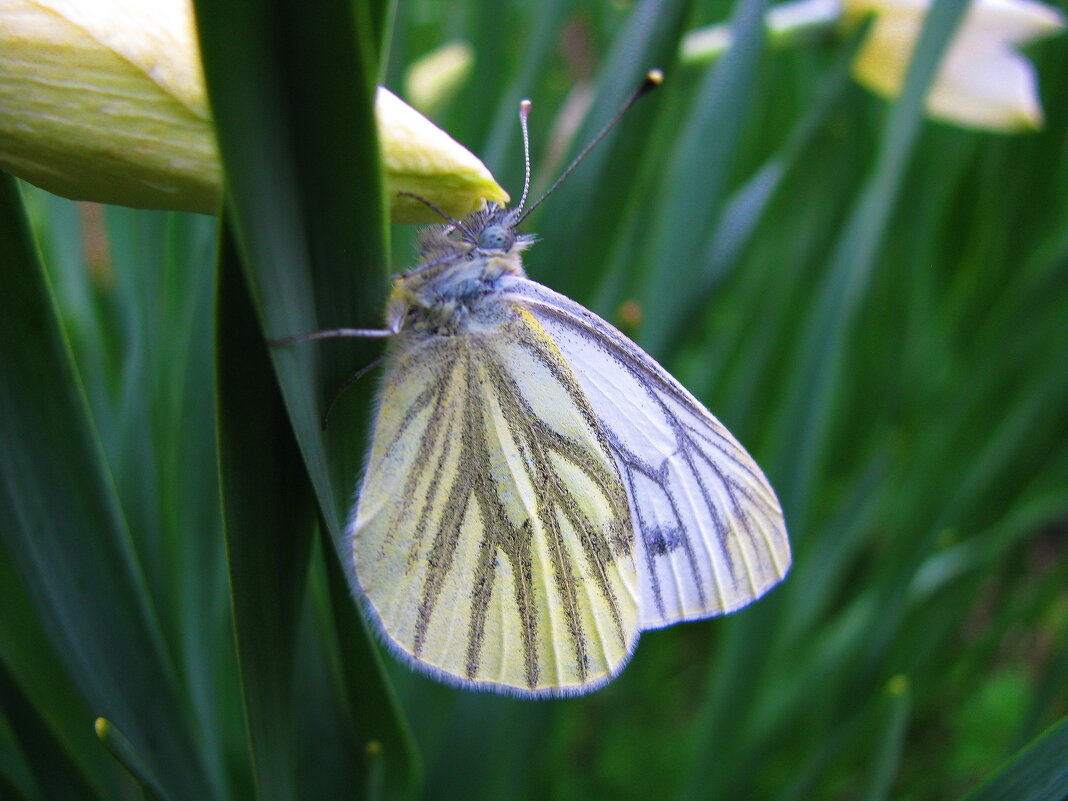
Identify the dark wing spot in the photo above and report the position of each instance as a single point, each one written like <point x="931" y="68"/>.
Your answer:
<point x="661" y="541"/>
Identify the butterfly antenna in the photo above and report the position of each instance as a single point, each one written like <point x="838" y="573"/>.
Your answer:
<point x="524" y="112"/>
<point x="451" y="220"/>
<point x="653" y="78"/>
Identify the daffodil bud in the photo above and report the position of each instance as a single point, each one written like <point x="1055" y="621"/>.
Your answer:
<point x="983" y="81"/>
<point x="104" y="100"/>
<point x="422" y="159"/>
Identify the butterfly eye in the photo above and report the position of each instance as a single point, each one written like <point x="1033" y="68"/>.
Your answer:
<point x="496" y="237"/>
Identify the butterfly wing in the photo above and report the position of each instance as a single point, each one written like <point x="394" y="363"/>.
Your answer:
<point x="492" y="536"/>
<point x="709" y="531"/>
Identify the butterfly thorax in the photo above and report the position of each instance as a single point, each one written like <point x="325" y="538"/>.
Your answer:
<point x="456" y="288"/>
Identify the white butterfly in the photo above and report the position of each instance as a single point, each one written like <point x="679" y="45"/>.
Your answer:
<point x="539" y="489"/>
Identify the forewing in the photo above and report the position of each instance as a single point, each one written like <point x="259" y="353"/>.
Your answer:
<point x="492" y="536"/>
<point x="709" y="531"/>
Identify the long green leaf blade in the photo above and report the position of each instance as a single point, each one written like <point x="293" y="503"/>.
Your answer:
<point x="268" y="507"/>
<point x="60" y="521"/>
<point x="292" y="92"/>
<point x="1038" y="772"/>
<point x="818" y="365"/>
<point x="695" y="181"/>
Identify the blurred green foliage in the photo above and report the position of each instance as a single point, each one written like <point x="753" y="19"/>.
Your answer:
<point x="874" y="304"/>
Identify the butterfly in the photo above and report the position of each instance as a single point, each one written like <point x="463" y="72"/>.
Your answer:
<point x="539" y="489"/>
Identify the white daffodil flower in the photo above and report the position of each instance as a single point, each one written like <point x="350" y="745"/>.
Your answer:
<point x="983" y="81"/>
<point x="104" y="100"/>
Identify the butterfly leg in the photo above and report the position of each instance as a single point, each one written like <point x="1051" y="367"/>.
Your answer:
<point x="334" y="333"/>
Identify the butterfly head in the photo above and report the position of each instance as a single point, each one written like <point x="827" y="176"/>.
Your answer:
<point x="496" y="238"/>
<point x="493" y="231"/>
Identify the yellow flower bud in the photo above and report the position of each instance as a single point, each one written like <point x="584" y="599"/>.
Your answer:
<point x="104" y="100"/>
<point x="422" y="159"/>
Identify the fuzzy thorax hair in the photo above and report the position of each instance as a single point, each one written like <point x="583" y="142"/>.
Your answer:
<point x="458" y="276"/>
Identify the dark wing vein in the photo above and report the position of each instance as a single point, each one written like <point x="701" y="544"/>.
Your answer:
<point x="700" y="442"/>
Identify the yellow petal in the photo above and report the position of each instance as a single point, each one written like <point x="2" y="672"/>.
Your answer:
<point x="105" y="101"/>
<point x="883" y="59"/>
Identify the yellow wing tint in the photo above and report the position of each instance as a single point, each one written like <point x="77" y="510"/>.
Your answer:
<point x="492" y="537"/>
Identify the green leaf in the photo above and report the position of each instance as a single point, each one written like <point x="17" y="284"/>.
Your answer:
<point x="695" y="179"/>
<point x="65" y="531"/>
<point x="818" y="365"/>
<point x="1038" y="772"/>
<point x="292" y="96"/>
<point x="56" y="773"/>
<point x="268" y="507"/>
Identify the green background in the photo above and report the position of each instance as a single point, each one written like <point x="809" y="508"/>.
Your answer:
<point x="873" y="303"/>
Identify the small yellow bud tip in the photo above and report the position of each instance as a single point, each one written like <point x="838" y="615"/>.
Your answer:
<point x="897" y="685"/>
<point x="101" y="726"/>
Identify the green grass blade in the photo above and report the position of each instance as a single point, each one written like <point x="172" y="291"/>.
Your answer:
<point x="372" y="714"/>
<point x="142" y="343"/>
<point x="41" y="677"/>
<point x="306" y="192"/>
<point x="382" y="14"/>
<point x="695" y="179"/>
<point x="10" y="788"/>
<point x="65" y="531"/>
<point x="580" y="222"/>
<point x="748" y="205"/>
<point x="124" y="752"/>
<point x="56" y="772"/>
<point x="503" y="148"/>
<point x="306" y="195"/>
<point x="1038" y="772"/>
<point x="810" y="405"/>
<point x="268" y="507"/>
<point x="890" y="739"/>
